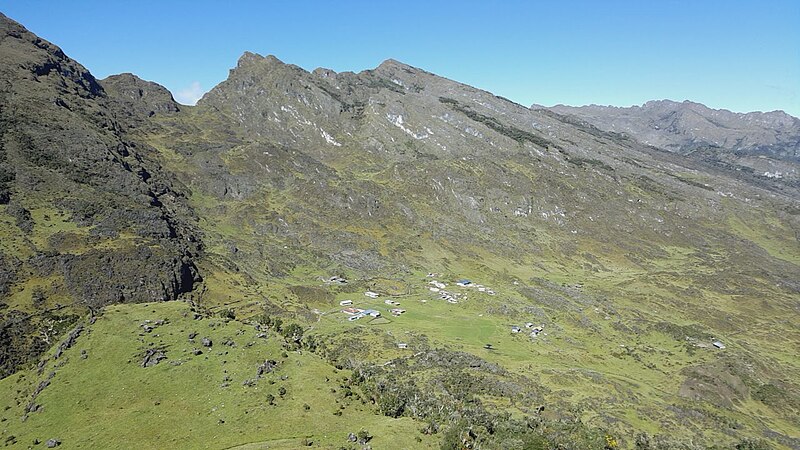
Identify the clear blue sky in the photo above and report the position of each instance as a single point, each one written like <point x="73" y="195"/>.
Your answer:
<point x="738" y="55"/>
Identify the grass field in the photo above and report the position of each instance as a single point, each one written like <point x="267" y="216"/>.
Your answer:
<point x="196" y="401"/>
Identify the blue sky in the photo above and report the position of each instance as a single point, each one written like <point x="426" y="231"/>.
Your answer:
<point x="738" y="55"/>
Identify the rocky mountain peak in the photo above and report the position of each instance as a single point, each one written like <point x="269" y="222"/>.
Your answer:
<point x="134" y="97"/>
<point x="253" y="68"/>
<point x="36" y="58"/>
<point x="323" y="72"/>
<point x="249" y="58"/>
<point x="393" y="65"/>
<point x="400" y="73"/>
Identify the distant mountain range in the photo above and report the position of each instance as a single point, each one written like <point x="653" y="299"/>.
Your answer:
<point x="767" y="143"/>
<point x="635" y="271"/>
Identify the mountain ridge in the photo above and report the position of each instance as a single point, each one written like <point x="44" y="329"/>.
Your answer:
<point x="622" y="295"/>
<point x="665" y="101"/>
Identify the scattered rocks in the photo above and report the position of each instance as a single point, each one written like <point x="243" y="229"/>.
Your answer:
<point x="153" y="356"/>
<point x="69" y="341"/>
<point x="352" y="437"/>
<point x="52" y="443"/>
<point x="32" y="405"/>
<point x="267" y="367"/>
<point x="207" y="342"/>
<point x="149" y="325"/>
<point x="364" y="437"/>
<point x="197" y="352"/>
<point x="192" y="335"/>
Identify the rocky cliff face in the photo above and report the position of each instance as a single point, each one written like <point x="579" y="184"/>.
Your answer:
<point x="767" y="144"/>
<point x="88" y="219"/>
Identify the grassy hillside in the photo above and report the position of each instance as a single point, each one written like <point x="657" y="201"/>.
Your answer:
<point x="98" y="392"/>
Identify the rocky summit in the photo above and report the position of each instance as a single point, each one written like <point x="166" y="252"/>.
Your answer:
<point x="388" y="259"/>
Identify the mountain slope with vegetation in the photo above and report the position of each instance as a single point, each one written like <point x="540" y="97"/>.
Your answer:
<point x="621" y="295"/>
<point x="88" y="218"/>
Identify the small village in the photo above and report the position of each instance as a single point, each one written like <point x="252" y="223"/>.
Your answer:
<point x="462" y="290"/>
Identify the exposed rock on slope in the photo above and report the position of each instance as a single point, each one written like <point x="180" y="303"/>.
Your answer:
<point x="395" y="171"/>
<point x="134" y="99"/>
<point x="681" y="127"/>
<point x="768" y="143"/>
<point x="324" y="156"/>
<point x="87" y="211"/>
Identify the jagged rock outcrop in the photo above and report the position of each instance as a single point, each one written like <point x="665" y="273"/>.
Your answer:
<point x="80" y="192"/>
<point x="134" y="99"/>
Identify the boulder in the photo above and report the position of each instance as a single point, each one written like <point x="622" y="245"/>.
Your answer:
<point x="153" y="356"/>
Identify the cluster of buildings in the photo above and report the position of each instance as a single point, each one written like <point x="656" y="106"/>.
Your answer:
<point x="478" y="287"/>
<point x="395" y="311"/>
<point x="439" y="288"/>
<point x="358" y="313"/>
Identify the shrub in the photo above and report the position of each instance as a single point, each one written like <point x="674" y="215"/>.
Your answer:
<point x="228" y="314"/>
<point x="363" y="436"/>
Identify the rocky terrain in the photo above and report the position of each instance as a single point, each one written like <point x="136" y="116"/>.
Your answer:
<point x="88" y="219"/>
<point x="764" y="144"/>
<point x="627" y="293"/>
